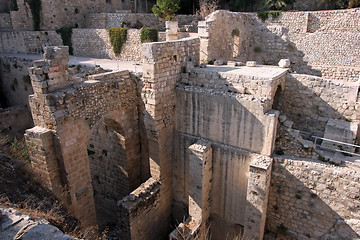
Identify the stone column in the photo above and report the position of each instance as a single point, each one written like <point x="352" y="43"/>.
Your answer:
<point x="200" y="175"/>
<point x="204" y="35"/>
<point x="257" y="197"/>
<point x="43" y="158"/>
<point x="171" y="30"/>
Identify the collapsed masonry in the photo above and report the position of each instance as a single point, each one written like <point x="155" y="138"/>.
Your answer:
<point x="184" y="150"/>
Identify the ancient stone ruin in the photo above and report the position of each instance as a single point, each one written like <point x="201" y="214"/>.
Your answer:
<point x="208" y="140"/>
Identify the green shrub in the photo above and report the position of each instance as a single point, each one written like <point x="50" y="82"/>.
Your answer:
<point x="35" y="7"/>
<point x="166" y="9"/>
<point x="263" y="15"/>
<point x="117" y="38"/>
<point x="149" y="35"/>
<point x="66" y="33"/>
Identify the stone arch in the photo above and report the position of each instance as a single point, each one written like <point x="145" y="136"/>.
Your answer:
<point x="112" y="169"/>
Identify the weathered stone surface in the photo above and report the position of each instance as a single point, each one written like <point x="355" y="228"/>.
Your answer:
<point x="284" y="63"/>
<point x="14" y="225"/>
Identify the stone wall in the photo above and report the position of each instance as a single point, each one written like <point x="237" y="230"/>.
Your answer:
<point x="28" y="41"/>
<point x="76" y="112"/>
<point x="248" y="119"/>
<point x="5" y="21"/>
<point x="308" y="39"/>
<point x="96" y="43"/>
<point x="55" y="15"/>
<point x="161" y="70"/>
<point x="310" y="199"/>
<point x="139" y="212"/>
<point x="15" y="81"/>
<point x="15" y="119"/>
<point x="310" y="101"/>
<point x="228" y="188"/>
<point x="133" y="20"/>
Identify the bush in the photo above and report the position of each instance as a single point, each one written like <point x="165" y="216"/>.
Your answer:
<point x="276" y="4"/>
<point x="166" y="9"/>
<point x="149" y="35"/>
<point x="66" y="33"/>
<point x="117" y="38"/>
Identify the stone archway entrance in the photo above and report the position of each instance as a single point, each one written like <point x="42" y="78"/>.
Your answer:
<point x="112" y="176"/>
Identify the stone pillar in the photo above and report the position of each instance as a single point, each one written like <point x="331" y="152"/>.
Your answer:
<point x="171" y="30"/>
<point x="51" y="73"/>
<point x="200" y="175"/>
<point x="43" y="158"/>
<point x="203" y="31"/>
<point x="271" y="131"/>
<point x="257" y="197"/>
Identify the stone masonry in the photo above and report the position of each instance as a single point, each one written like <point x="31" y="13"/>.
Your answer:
<point x="186" y="148"/>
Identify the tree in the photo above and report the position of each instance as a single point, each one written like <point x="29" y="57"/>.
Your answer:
<point x="166" y="9"/>
<point x="276" y="4"/>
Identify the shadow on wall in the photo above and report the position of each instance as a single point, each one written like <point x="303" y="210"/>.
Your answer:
<point x="310" y="101"/>
<point x="304" y="204"/>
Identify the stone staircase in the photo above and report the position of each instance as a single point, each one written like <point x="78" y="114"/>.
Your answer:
<point x="328" y="152"/>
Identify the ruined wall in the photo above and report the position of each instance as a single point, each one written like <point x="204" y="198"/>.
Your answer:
<point x="139" y="212"/>
<point x="310" y="199"/>
<point x="310" y="101"/>
<point x="15" y="81"/>
<point x="133" y="20"/>
<point x="315" y="42"/>
<point x="96" y="43"/>
<point x="73" y="113"/>
<point x="161" y="70"/>
<point x="55" y="15"/>
<point x="28" y="41"/>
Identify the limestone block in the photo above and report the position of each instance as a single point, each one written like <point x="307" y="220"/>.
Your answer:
<point x="231" y="63"/>
<point x="251" y="64"/>
<point x="218" y="62"/>
<point x="284" y="63"/>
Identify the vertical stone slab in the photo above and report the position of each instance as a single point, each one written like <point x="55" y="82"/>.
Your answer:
<point x="271" y="130"/>
<point x="171" y="30"/>
<point x="161" y="70"/>
<point x="200" y="175"/>
<point x="257" y="197"/>
<point x="203" y="30"/>
<point x="43" y="158"/>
